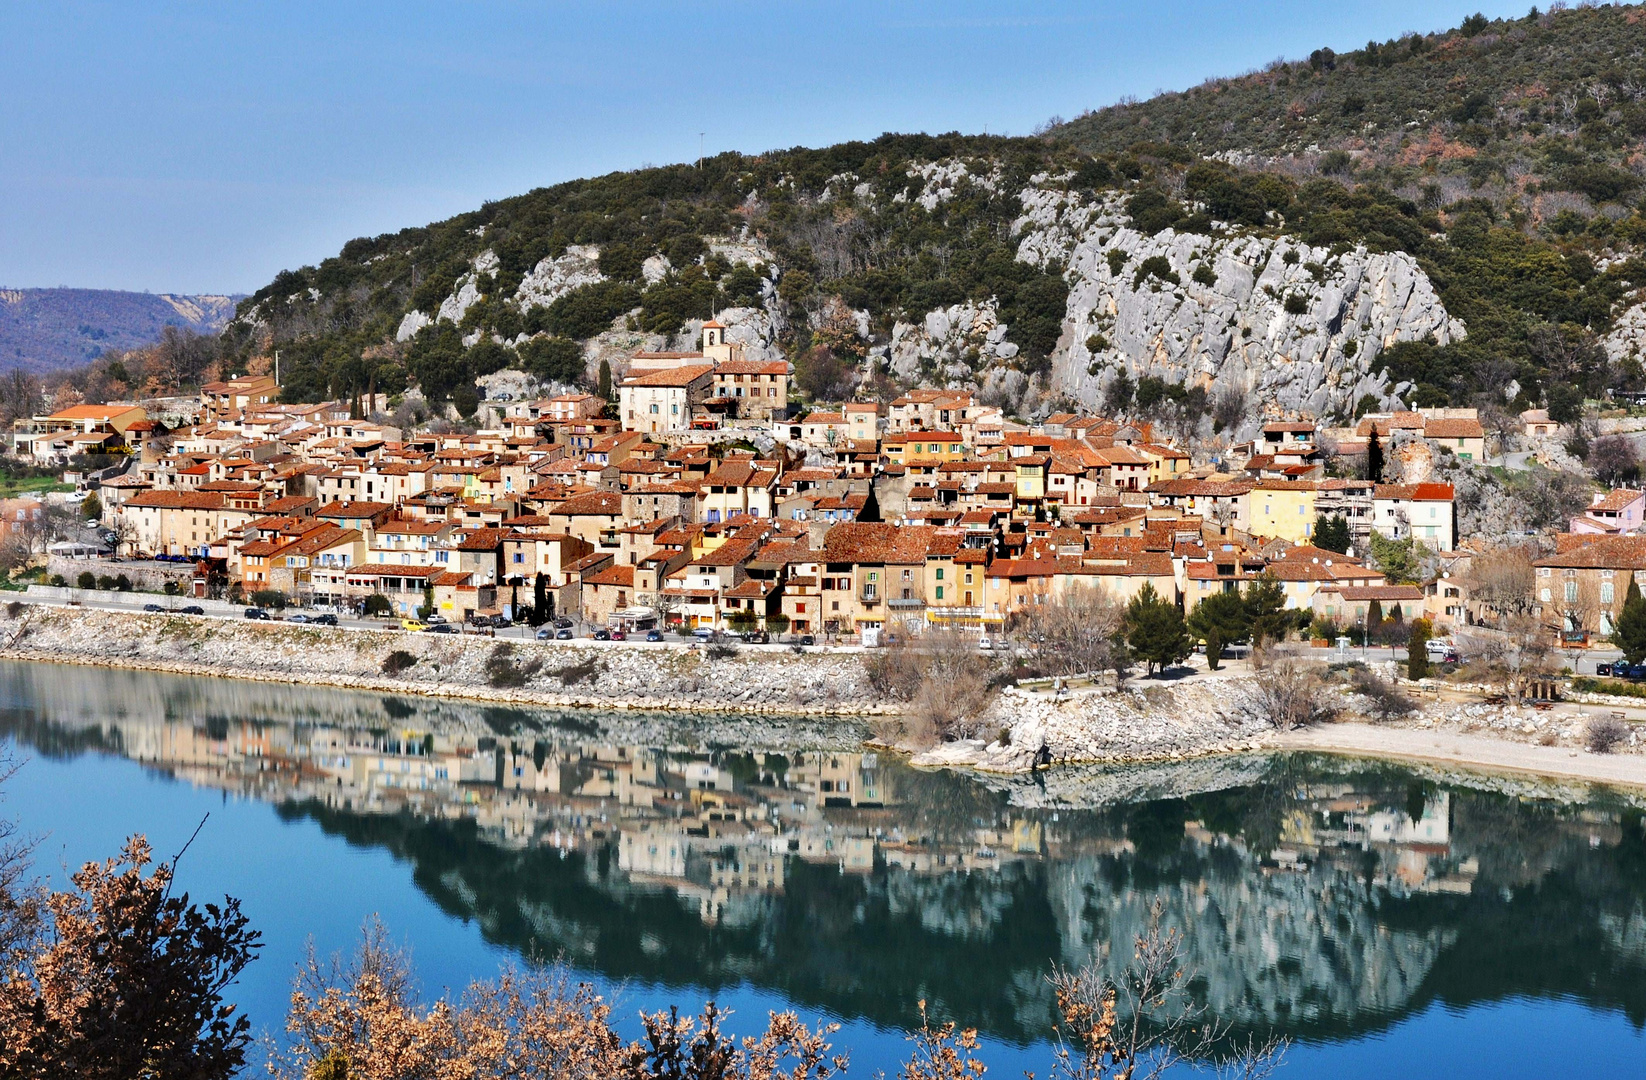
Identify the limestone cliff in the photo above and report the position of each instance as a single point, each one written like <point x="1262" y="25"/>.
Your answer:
<point x="1294" y="327"/>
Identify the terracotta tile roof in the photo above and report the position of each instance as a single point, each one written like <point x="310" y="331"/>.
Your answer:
<point x="1414" y="492"/>
<point x="1453" y="429"/>
<point x="1598" y="552"/>
<point x="1376" y="592"/>
<point x="622" y="576"/>
<point x="177" y="500"/>
<point x="1617" y="499"/>
<point x="680" y="376"/>
<point x="593" y="504"/>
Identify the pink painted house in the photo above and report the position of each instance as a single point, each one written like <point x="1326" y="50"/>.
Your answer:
<point x="1612" y="512"/>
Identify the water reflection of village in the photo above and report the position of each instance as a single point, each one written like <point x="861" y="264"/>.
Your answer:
<point x="719" y="829"/>
<point x="1319" y="897"/>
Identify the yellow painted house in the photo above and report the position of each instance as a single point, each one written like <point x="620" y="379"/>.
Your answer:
<point x="1284" y="509"/>
<point x="923" y="448"/>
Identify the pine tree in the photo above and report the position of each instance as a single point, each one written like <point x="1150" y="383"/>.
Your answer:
<point x="1218" y="620"/>
<point x="1155" y="630"/>
<point x="1265" y="605"/>
<point x="1374" y="458"/>
<point x="1331" y="533"/>
<point x="1630" y="633"/>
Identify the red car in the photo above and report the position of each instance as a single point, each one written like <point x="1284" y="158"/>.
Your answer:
<point x="619" y="635"/>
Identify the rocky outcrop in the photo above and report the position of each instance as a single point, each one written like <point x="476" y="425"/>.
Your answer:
<point x="1295" y="327"/>
<point x="554" y="277"/>
<point x="1134" y="724"/>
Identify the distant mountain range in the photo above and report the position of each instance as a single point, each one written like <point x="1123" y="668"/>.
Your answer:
<point x="48" y="329"/>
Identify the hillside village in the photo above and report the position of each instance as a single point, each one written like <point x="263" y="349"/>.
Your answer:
<point x="706" y="502"/>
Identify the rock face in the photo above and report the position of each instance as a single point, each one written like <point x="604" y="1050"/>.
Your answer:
<point x="1627" y="337"/>
<point x="553" y="278"/>
<point x="1295" y="327"/>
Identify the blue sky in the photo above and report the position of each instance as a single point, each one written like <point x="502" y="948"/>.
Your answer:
<point x="202" y="148"/>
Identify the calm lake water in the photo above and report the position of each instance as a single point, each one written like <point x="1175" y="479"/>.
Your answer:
<point x="1390" y="921"/>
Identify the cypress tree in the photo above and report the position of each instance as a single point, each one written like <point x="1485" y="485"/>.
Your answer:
<point x="1374" y="458"/>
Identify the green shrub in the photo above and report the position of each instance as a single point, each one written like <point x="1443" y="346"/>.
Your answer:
<point x="1155" y="266"/>
<point x="398" y="661"/>
<point x="86" y="580"/>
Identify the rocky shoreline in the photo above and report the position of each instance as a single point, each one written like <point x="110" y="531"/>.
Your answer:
<point x="1144" y="723"/>
<point x="537" y="673"/>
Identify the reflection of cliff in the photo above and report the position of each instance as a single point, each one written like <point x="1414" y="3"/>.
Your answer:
<point x="1320" y="898"/>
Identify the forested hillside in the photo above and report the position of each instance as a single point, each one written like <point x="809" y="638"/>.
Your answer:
<point x="44" y="330"/>
<point x="1429" y="219"/>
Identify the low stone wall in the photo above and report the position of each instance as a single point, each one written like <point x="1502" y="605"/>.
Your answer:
<point x="68" y="594"/>
<point x="549" y="673"/>
<point x="145" y="576"/>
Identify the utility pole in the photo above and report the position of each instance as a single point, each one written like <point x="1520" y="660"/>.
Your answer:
<point x="277" y="367"/>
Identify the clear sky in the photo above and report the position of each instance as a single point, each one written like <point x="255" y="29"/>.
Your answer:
<point x="202" y="148"/>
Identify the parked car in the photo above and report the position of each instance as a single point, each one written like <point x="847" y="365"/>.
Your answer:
<point x="1603" y="670"/>
<point x="654" y="635"/>
<point x="758" y="637"/>
<point x="441" y="628"/>
<point x="562" y="623"/>
<point x="1637" y="671"/>
<point x="191" y="609"/>
<point x="620" y="635"/>
<point x="258" y="613"/>
<point x="327" y="619"/>
<point x="297" y="618"/>
<point x="563" y="634"/>
<point x="807" y="639"/>
<point x="544" y="634"/>
<point x="502" y="622"/>
<point x="435" y="618"/>
<point x="602" y="635"/>
<point x="411" y="624"/>
<point x="703" y="633"/>
<point x="1440" y="651"/>
<point x="153" y="607"/>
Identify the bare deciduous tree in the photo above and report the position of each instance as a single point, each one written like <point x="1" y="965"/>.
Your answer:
<point x="1075" y="634"/>
<point x="1291" y="693"/>
<point x="941" y="681"/>
<point x="1502" y="583"/>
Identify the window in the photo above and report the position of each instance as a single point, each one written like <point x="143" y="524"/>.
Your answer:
<point x="1605" y="592"/>
<point x="654" y="408"/>
<point x="1543" y="595"/>
<point x="940" y="573"/>
<point x="1571" y="592"/>
<point x="908" y="575"/>
<point x="940" y="592"/>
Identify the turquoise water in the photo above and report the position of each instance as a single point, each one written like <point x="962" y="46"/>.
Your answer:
<point x="1387" y="921"/>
